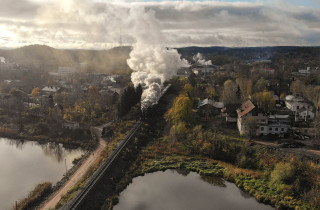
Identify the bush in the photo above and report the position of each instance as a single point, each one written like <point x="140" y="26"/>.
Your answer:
<point x="36" y="195"/>
<point x="283" y="173"/>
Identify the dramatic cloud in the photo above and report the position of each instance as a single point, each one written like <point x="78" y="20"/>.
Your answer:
<point x="83" y="24"/>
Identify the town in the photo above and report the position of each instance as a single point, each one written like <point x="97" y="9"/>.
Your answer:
<point x="225" y="106"/>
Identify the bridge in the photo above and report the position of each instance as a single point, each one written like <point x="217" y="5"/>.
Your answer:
<point x="76" y="202"/>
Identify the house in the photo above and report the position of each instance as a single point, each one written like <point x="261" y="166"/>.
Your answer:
<point x="208" y="107"/>
<point x="230" y="112"/>
<point x="196" y="71"/>
<point x="50" y="90"/>
<point x="295" y="103"/>
<point x="71" y="125"/>
<point x="304" y="114"/>
<point x="248" y="109"/>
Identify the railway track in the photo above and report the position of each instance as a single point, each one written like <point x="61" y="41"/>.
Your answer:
<point x="76" y="202"/>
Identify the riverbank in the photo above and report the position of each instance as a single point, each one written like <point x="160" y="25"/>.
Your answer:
<point x="83" y="140"/>
<point x="158" y="156"/>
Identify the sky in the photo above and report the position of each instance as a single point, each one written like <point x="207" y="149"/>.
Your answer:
<point x="103" y="24"/>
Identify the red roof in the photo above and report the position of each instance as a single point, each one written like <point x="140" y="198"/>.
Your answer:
<point x="246" y="107"/>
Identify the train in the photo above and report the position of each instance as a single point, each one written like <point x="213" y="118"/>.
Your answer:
<point x="150" y="111"/>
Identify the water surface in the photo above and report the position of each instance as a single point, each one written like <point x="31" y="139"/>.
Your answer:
<point x="24" y="164"/>
<point x="181" y="190"/>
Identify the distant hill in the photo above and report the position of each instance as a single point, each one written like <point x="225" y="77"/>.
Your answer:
<point x="247" y="53"/>
<point x="49" y="59"/>
<point x="115" y="60"/>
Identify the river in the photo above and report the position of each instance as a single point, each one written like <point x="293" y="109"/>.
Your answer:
<point x="183" y="190"/>
<point x="24" y="164"/>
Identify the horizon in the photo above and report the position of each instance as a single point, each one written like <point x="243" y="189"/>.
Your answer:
<point x="14" y="48"/>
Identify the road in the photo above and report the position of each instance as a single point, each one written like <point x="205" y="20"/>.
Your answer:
<point x="55" y="198"/>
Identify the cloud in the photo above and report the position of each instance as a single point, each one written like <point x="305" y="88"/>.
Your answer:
<point x="181" y="23"/>
<point x="18" y="9"/>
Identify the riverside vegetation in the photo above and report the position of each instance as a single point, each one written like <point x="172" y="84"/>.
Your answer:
<point x="177" y="142"/>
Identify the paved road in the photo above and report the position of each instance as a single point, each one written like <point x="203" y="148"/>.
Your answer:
<point x="55" y="198"/>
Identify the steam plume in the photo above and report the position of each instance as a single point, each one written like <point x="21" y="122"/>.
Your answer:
<point x="200" y="60"/>
<point x="151" y="62"/>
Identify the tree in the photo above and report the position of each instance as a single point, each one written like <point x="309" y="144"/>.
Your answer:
<point x="192" y="79"/>
<point x="261" y="85"/>
<point x="245" y="87"/>
<point x="189" y="90"/>
<point x="229" y="92"/>
<point x="181" y="110"/>
<point x="251" y="126"/>
<point x="35" y="92"/>
<point x="297" y="87"/>
<point x="265" y="101"/>
<point x="211" y="92"/>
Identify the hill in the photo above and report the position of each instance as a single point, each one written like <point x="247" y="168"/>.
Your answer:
<point x="49" y="59"/>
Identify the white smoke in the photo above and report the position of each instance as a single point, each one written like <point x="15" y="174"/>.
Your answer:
<point x="151" y="62"/>
<point x="200" y="60"/>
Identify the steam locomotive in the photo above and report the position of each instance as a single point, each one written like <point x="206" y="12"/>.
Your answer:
<point x="152" y="110"/>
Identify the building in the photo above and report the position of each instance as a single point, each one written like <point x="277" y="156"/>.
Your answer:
<point x="208" y="107"/>
<point x="230" y="112"/>
<point x="50" y="90"/>
<point x="294" y="103"/>
<point x="304" y="114"/>
<point x="71" y="125"/>
<point x="248" y="109"/>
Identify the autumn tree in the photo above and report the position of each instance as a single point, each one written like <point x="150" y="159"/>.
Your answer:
<point x="245" y="85"/>
<point x="229" y="92"/>
<point x="297" y="87"/>
<point x="35" y="92"/>
<point x="181" y="110"/>
<point x="250" y="124"/>
<point x="189" y="90"/>
<point x="261" y="85"/>
<point x="211" y="92"/>
<point x="265" y="101"/>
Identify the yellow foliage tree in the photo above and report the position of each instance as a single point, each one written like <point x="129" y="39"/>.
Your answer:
<point x="211" y="92"/>
<point x="181" y="110"/>
<point x="265" y="101"/>
<point x="35" y="92"/>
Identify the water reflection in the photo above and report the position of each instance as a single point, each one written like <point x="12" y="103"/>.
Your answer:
<point x="23" y="164"/>
<point x="214" y="181"/>
<point x="54" y="150"/>
<point x="19" y="144"/>
<point x="184" y="190"/>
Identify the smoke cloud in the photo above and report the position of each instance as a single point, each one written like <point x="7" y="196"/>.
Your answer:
<point x="200" y="60"/>
<point x="151" y="62"/>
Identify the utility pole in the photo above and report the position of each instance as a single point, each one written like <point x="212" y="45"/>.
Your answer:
<point x="65" y="161"/>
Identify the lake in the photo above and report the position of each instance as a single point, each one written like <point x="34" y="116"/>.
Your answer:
<point x="183" y="190"/>
<point x="24" y="164"/>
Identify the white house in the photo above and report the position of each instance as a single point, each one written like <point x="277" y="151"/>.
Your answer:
<point x="295" y="103"/>
<point x="50" y="89"/>
<point x="248" y="109"/>
<point x="305" y="114"/>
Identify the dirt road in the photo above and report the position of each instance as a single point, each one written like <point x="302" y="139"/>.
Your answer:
<point x="54" y="199"/>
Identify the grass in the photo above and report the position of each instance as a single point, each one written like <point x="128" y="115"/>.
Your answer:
<point x="160" y="156"/>
<point x="34" y="197"/>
